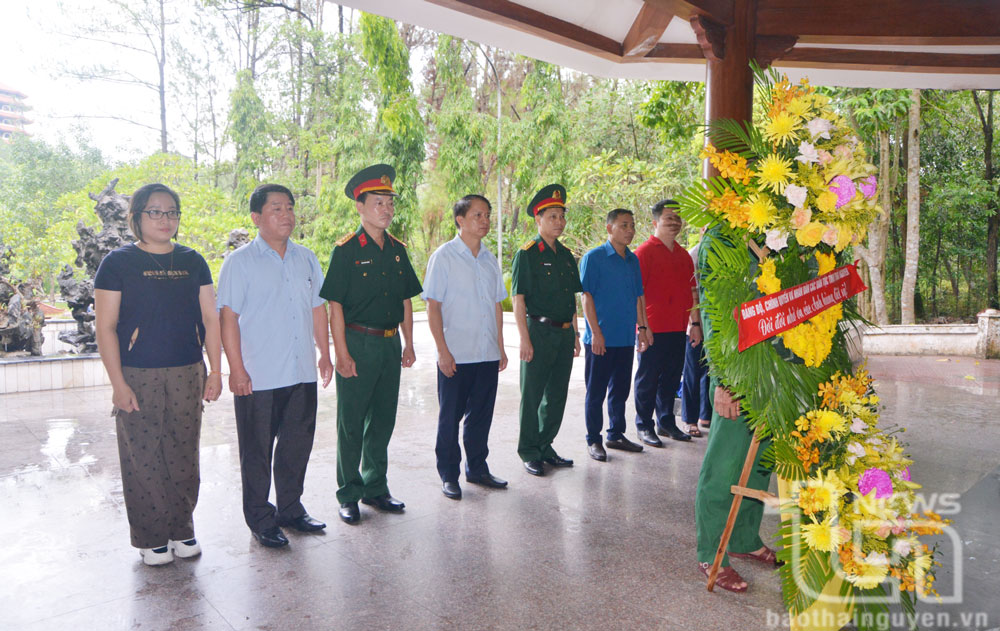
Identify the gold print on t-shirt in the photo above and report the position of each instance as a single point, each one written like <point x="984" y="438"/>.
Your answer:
<point x="135" y="335"/>
<point x="166" y="274"/>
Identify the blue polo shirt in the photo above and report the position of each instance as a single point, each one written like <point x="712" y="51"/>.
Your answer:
<point x="274" y="298"/>
<point x="615" y="284"/>
<point x="468" y="288"/>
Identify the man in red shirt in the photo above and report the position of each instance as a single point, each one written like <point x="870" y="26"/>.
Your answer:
<point x="669" y="286"/>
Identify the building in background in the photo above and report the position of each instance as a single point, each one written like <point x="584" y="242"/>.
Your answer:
<point x="12" y="108"/>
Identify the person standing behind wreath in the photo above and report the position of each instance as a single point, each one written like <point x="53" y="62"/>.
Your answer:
<point x="463" y="288"/>
<point x="668" y="280"/>
<point x="155" y="309"/>
<point x="271" y="317"/>
<point x="369" y="285"/>
<point x="613" y="307"/>
<point x="696" y="396"/>
<point x="545" y="281"/>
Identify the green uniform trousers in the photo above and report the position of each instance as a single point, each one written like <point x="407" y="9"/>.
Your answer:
<point x="366" y="415"/>
<point x="544" y="383"/>
<point x="728" y="442"/>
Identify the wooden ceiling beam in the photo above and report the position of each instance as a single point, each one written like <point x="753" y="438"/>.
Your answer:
<point x="885" y="21"/>
<point x="537" y="23"/>
<point x="647" y="29"/>
<point x="719" y="11"/>
<point x="673" y="53"/>
<point x="891" y="60"/>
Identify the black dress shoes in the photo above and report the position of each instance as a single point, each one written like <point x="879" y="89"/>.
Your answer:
<point x="384" y="502"/>
<point x="487" y="479"/>
<point x="558" y="461"/>
<point x="305" y="523"/>
<point x="650" y="438"/>
<point x="534" y="467"/>
<point x="597" y="452"/>
<point x="452" y="490"/>
<point x="672" y="431"/>
<point x="349" y="512"/>
<point x="623" y="444"/>
<point x="271" y="537"/>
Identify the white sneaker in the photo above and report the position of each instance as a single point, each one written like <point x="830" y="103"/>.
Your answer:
<point x="156" y="556"/>
<point x="185" y="549"/>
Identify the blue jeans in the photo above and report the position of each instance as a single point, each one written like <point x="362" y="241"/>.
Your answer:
<point x="696" y="395"/>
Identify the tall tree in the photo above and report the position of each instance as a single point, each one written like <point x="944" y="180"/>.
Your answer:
<point x="128" y="27"/>
<point x="990" y="175"/>
<point x="906" y="304"/>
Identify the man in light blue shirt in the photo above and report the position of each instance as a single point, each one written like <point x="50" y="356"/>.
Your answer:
<point x="613" y="306"/>
<point x="271" y="316"/>
<point x="463" y="289"/>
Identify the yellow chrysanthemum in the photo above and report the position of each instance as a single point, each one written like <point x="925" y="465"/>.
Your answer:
<point x="782" y="128"/>
<point x="843" y="239"/>
<point x="819" y="495"/>
<point x="869" y="575"/>
<point x="761" y="212"/>
<point x="828" y="423"/>
<point x="826" y="201"/>
<point x="827" y="262"/>
<point x="774" y="172"/>
<point x="824" y="537"/>
<point x="799" y="107"/>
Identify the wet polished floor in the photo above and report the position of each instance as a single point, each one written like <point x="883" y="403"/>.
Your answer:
<point x="599" y="546"/>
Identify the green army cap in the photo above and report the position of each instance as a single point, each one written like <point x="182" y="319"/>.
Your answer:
<point x="550" y="196"/>
<point x="377" y="179"/>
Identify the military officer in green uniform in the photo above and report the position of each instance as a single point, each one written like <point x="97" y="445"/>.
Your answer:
<point x="369" y="285"/>
<point x="545" y="282"/>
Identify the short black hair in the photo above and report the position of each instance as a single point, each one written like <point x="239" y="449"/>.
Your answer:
<point x="618" y="212"/>
<point x="462" y="206"/>
<point x="660" y="205"/>
<point x="259" y="195"/>
<point x="138" y="204"/>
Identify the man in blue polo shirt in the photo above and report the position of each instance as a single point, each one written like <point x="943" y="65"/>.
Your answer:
<point x="613" y="305"/>
<point x="272" y="315"/>
<point x="463" y="288"/>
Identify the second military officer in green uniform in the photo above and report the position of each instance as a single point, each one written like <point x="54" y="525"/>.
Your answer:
<point x="544" y="287"/>
<point x="369" y="285"/>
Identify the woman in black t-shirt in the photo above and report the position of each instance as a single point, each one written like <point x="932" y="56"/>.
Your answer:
<point x="155" y="309"/>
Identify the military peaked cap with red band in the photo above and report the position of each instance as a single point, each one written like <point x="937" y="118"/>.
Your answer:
<point x="376" y="179"/>
<point x="553" y="195"/>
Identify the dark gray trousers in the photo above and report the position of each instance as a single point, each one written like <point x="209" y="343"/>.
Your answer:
<point x="287" y="416"/>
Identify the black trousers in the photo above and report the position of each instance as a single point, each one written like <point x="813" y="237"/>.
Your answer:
<point x="470" y="394"/>
<point x="608" y="375"/>
<point x="657" y="379"/>
<point x="286" y="415"/>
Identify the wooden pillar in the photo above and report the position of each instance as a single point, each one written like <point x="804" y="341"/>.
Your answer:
<point x="728" y="50"/>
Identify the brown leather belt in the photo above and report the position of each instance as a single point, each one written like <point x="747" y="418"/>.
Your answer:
<point x="551" y="322"/>
<point x="369" y="331"/>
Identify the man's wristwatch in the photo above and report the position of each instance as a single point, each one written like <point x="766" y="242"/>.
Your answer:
<point x="696" y="324"/>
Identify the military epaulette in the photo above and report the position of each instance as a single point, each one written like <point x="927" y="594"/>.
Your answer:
<point x="402" y="243"/>
<point x="528" y="245"/>
<point x="344" y="239"/>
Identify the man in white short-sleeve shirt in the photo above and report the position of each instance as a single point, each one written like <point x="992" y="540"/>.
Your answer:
<point x="463" y="289"/>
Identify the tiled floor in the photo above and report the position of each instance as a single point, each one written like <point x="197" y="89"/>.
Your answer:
<point x="600" y="546"/>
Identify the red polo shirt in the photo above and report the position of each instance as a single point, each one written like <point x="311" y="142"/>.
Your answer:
<point x="667" y="282"/>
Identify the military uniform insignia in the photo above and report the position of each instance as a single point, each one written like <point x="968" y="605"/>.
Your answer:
<point x="527" y="246"/>
<point x="556" y="194"/>
<point x="395" y="239"/>
<point x="541" y="246"/>
<point x="362" y="239"/>
<point x="344" y="239"/>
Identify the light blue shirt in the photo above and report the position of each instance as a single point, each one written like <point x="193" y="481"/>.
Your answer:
<point x="468" y="288"/>
<point x="615" y="283"/>
<point x="274" y="298"/>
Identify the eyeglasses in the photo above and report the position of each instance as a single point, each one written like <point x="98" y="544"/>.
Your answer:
<point x="160" y="214"/>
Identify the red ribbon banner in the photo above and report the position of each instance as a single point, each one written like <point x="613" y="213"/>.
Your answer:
<point x="775" y="313"/>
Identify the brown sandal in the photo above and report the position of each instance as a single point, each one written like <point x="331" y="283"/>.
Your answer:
<point x="727" y="578"/>
<point x="767" y="557"/>
<point x="692" y="430"/>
